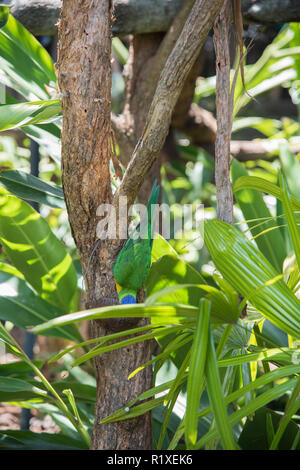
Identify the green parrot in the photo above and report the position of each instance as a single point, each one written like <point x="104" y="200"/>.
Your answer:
<point x="134" y="260"/>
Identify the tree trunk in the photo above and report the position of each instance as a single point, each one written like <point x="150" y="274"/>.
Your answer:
<point x="84" y="74"/>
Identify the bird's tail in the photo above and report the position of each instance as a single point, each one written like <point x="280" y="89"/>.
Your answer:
<point x="153" y="198"/>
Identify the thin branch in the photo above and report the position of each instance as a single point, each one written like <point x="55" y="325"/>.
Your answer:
<point x="224" y="115"/>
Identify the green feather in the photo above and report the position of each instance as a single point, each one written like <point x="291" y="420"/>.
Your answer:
<point x="134" y="260"/>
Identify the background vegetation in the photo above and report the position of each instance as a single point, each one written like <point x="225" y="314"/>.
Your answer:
<point x="225" y="317"/>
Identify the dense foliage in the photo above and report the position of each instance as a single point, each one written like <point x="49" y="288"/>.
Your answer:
<point x="226" y="317"/>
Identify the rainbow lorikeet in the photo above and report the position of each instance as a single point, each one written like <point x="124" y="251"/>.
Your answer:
<point x="134" y="260"/>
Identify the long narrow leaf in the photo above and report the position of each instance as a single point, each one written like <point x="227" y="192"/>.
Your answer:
<point x="251" y="202"/>
<point x="253" y="182"/>
<point x="291" y="168"/>
<point x="30" y="188"/>
<point x="265" y="379"/>
<point x="172" y="396"/>
<point x="97" y="350"/>
<point x="248" y="409"/>
<point x="216" y="397"/>
<point x="21" y="305"/>
<point x="291" y="219"/>
<point x="250" y="273"/>
<point x="25" y="65"/>
<point x="170" y="314"/>
<point x="13" y="116"/>
<point x="196" y="372"/>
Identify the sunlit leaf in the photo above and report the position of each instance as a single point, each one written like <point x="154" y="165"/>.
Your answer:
<point x="250" y="273"/>
<point x="36" y="252"/>
<point x="31" y="188"/>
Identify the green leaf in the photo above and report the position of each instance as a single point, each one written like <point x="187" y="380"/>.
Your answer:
<point x="28" y="440"/>
<point x="253" y="207"/>
<point x="25" y="65"/>
<point x="161" y="248"/>
<point x="18" y="369"/>
<point x="250" y="273"/>
<point x="216" y="398"/>
<point x="31" y="188"/>
<point x="82" y="393"/>
<point x="36" y="252"/>
<point x="171" y="271"/>
<point x="291" y="219"/>
<point x="225" y="308"/>
<point x="56" y="414"/>
<point x="10" y="384"/>
<point x="247" y="410"/>
<point x="97" y="350"/>
<point x="266" y="126"/>
<point x="291" y="168"/>
<point x="269" y="428"/>
<point x="292" y="406"/>
<point x="269" y="71"/>
<point x="270" y="354"/>
<point x="71" y="399"/>
<point x="260" y="401"/>
<point x="254" y="434"/>
<point x="102" y="340"/>
<point x="253" y="182"/>
<point x="169" y="314"/>
<point x="196" y="373"/>
<point x="157" y="421"/>
<point x="24" y="114"/>
<point x="48" y="136"/>
<point x="20" y="305"/>
<point x="173" y="394"/>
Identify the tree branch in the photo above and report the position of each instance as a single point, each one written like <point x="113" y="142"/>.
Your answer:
<point x="146" y="16"/>
<point x="170" y="84"/>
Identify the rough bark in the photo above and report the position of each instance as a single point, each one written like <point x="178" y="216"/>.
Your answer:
<point x="84" y="74"/>
<point x="147" y="16"/>
<point x="224" y="115"/>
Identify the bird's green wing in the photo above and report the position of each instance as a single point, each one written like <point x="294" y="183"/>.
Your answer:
<point x="134" y="260"/>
